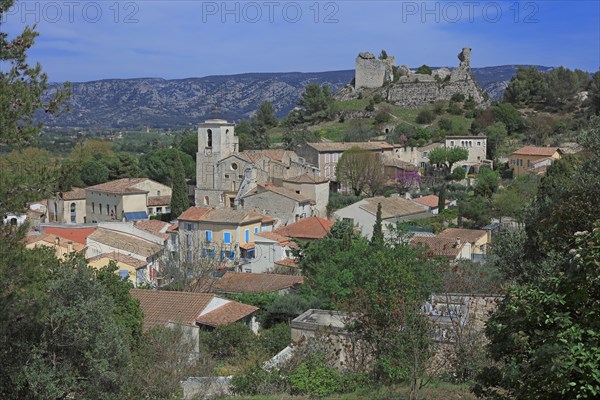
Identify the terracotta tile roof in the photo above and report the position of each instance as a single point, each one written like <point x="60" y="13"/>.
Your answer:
<point x="465" y="235"/>
<point x="173" y="228"/>
<point x="429" y="201"/>
<point x="240" y="282"/>
<point x="231" y="216"/>
<point x="307" y="228"/>
<point x="536" y="151"/>
<point x="121" y="186"/>
<point x="154" y="226"/>
<point x="247" y="246"/>
<point x="340" y="147"/>
<point x="128" y="243"/>
<point x="262" y="187"/>
<point x="281" y="239"/>
<point x="194" y="214"/>
<point x="158" y="201"/>
<point x="265" y="218"/>
<point x="78" y="235"/>
<point x="307" y="178"/>
<point x="74" y="194"/>
<point x="227" y="314"/>
<point x="119" y="257"/>
<point x="287" y="262"/>
<point x="50" y="240"/>
<point x="438" y="247"/>
<point x="392" y="207"/>
<point x="161" y="306"/>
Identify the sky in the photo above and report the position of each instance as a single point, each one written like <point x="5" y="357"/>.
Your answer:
<point x="101" y="39"/>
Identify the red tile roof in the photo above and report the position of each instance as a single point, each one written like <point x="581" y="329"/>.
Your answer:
<point x="121" y="186"/>
<point x="307" y="228"/>
<point x="158" y="201"/>
<point x="438" y="247"/>
<point x="162" y="306"/>
<point x="74" y="194"/>
<point x="287" y="262"/>
<point x="536" y="151"/>
<point x="194" y="214"/>
<point x="465" y="235"/>
<point x="307" y="178"/>
<point x="155" y="227"/>
<point x="240" y="282"/>
<point x="227" y="314"/>
<point x="265" y="218"/>
<point x="78" y="235"/>
<point x="281" y="239"/>
<point x="50" y="240"/>
<point x="429" y="201"/>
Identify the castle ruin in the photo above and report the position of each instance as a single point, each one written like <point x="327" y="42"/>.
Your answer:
<point x="406" y="88"/>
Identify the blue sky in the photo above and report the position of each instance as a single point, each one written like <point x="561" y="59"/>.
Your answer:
<point x="88" y="40"/>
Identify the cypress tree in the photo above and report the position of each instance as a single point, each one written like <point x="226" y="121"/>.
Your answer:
<point x="377" y="238"/>
<point x="442" y="198"/>
<point x="179" y="197"/>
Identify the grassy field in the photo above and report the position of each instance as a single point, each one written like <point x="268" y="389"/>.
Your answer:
<point x="436" y="391"/>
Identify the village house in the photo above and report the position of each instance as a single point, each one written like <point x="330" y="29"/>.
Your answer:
<point x="307" y="229"/>
<point x="450" y="249"/>
<point x="530" y="159"/>
<point x="417" y="156"/>
<point x="223" y="234"/>
<point x="394" y="210"/>
<point x="478" y="239"/>
<point x="430" y="202"/>
<point x="313" y="187"/>
<point x="475" y="145"/>
<point x="326" y="155"/>
<point x="191" y="311"/>
<point x="67" y="207"/>
<point x="127" y="266"/>
<point x="126" y="199"/>
<point x="272" y="252"/>
<point x="62" y="247"/>
<point x="278" y="202"/>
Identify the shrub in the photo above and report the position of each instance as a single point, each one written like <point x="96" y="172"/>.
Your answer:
<point x="424" y="69"/>
<point x="257" y="381"/>
<point x="360" y="96"/>
<point x="454" y="108"/>
<point x="378" y="98"/>
<point x="445" y="124"/>
<point x="370" y="106"/>
<point x="315" y="378"/>
<point x="230" y="340"/>
<point x="438" y="107"/>
<point x="457" y="97"/>
<point x="382" y="117"/>
<point x="458" y="174"/>
<point x="276" y="339"/>
<point x="425" y="117"/>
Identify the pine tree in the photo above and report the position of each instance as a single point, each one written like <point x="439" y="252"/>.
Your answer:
<point x="179" y="198"/>
<point x="377" y="238"/>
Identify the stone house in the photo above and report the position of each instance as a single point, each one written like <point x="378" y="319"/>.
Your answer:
<point x="475" y="145"/>
<point x="394" y="210"/>
<point x="278" y="202"/>
<point x="326" y="155"/>
<point x="479" y="240"/>
<point x="523" y="160"/>
<point x="417" y="156"/>
<point x="124" y="199"/>
<point x="191" y="311"/>
<point x="67" y="207"/>
<point x="62" y="247"/>
<point x="313" y="187"/>
<point x="452" y="249"/>
<point x="128" y="266"/>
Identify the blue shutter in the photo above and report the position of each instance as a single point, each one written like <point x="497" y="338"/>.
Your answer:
<point x="227" y="237"/>
<point x="247" y="235"/>
<point x="256" y="229"/>
<point x="231" y="255"/>
<point x="209" y="236"/>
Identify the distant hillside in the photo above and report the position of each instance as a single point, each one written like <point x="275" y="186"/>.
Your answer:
<point x="161" y="103"/>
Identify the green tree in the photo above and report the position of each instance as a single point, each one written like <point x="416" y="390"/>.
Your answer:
<point x="265" y="115"/>
<point x="21" y="87"/>
<point x="298" y="136"/>
<point x="593" y="101"/>
<point x="122" y="165"/>
<point x="487" y="182"/>
<point x="425" y="116"/>
<point x="189" y="143"/>
<point x="509" y="116"/>
<point x="361" y="170"/>
<point x="496" y="134"/>
<point x="93" y="172"/>
<point x="544" y="335"/>
<point x="446" y="157"/>
<point x="179" y="196"/>
<point x="158" y="165"/>
<point x="377" y="239"/>
<point x="317" y="102"/>
<point x="424" y="69"/>
<point x="476" y="209"/>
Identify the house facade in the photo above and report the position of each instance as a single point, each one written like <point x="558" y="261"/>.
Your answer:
<point x="527" y="158"/>
<point x="124" y="199"/>
<point x="278" y="202"/>
<point x="313" y="187"/>
<point x="68" y="207"/>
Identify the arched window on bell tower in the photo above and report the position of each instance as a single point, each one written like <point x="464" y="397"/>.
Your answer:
<point x="208" y="138"/>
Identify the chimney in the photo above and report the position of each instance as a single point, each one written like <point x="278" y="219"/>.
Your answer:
<point x="57" y="240"/>
<point x="69" y="247"/>
<point x="457" y="241"/>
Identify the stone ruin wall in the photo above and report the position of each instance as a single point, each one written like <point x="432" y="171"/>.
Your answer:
<point x="414" y="90"/>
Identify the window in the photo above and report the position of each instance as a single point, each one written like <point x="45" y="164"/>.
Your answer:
<point x="208" y="253"/>
<point x="206" y="201"/>
<point x="227" y="254"/>
<point x="188" y="240"/>
<point x="234" y="166"/>
<point x="124" y="274"/>
<point x="209" y="138"/>
<point x="351" y="220"/>
<point x="208" y="236"/>
<point x="478" y="144"/>
<point x="256" y="229"/>
<point x="247" y="235"/>
<point x="100" y="208"/>
<point x="150" y="211"/>
<point x="107" y="209"/>
<point x="512" y="162"/>
<point x="452" y="143"/>
<point x="188" y="226"/>
<point x="73" y="214"/>
<point x="159" y="210"/>
<point x="226" y="176"/>
<point x="227" y="237"/>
